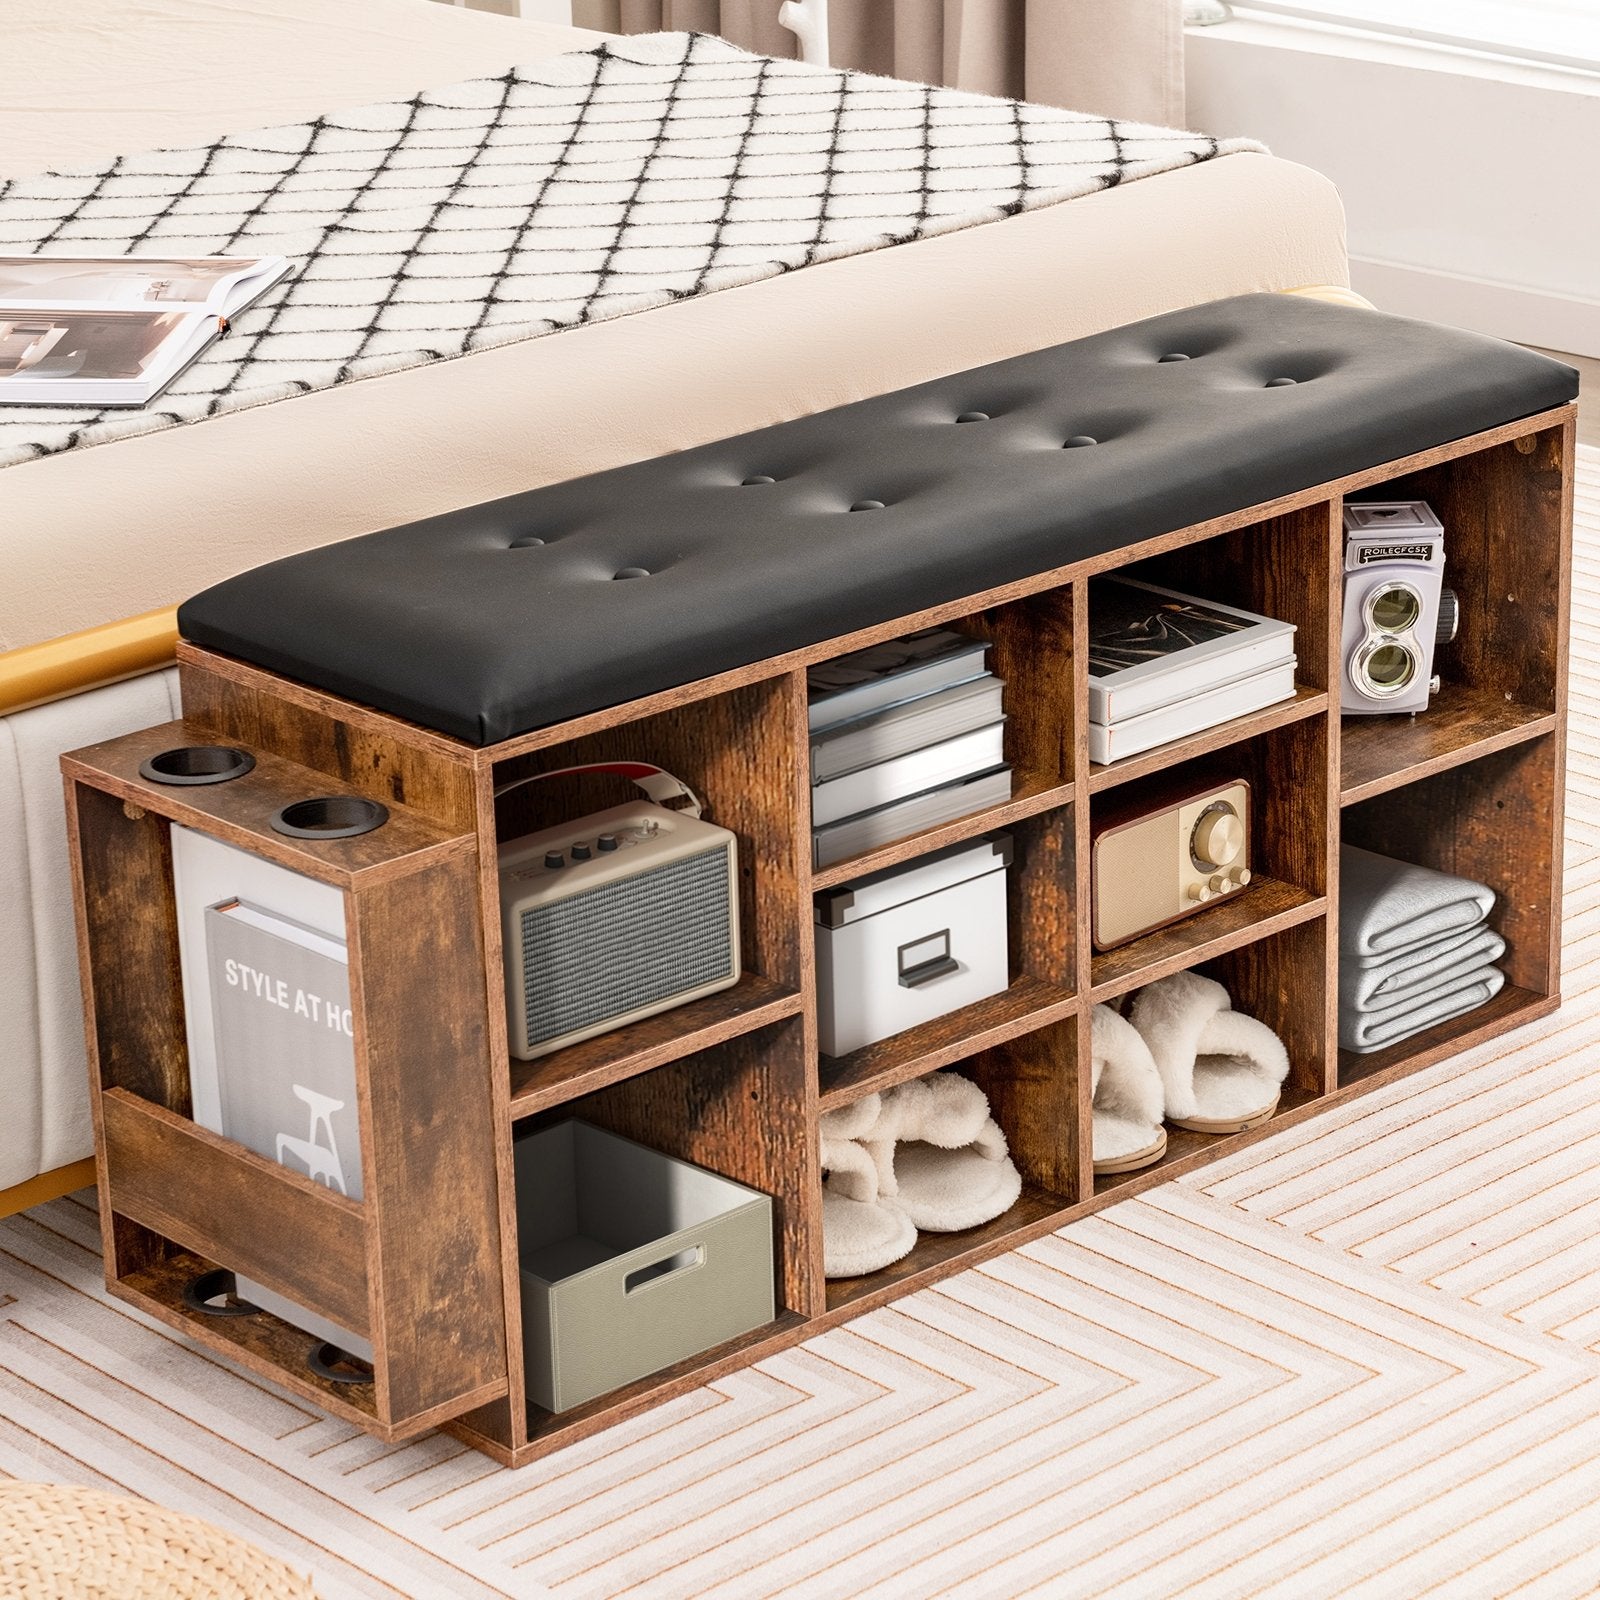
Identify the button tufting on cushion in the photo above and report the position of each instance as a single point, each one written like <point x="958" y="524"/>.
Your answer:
<point x="526" y="542"/>
<point x="867" y="505"/>
<point x="758" y="478"/>
<point x="632" y="572"/>
<point x="417" y="621"/>
<point x="973" y="416"/>
<point x="1078" y="441"/>
<point x="1174" y="357"/>
<point x="1281" y="383"/>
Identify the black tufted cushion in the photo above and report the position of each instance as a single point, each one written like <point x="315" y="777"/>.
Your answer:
<point x="494" y="620"/>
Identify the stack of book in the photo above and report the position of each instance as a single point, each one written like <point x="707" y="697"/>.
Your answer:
<point x="904" y="736"/>
<point x="1163" y="665"/>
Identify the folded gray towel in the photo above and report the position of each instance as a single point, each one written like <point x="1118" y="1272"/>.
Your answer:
<point x="1380" y="985"/>
<point x="1387" y="907"/>
<point x="1363" y="1033"/>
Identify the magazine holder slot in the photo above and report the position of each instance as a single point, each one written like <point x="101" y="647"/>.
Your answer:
<point x="261" y="1220"/>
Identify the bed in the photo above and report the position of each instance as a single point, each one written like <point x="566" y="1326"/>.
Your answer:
<point x="100" y="543"/>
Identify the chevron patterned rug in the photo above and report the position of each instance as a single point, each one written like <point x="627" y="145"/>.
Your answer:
<point x="1361" y="1360"/>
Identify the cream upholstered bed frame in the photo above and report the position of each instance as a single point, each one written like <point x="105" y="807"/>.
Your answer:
<point x="88" y="663"/>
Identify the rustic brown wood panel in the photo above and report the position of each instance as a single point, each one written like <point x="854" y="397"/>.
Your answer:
<point x="1032" y="1085"/>
<point x="1030" y="643"/>
<point x="428" y="1131"/>
<point x="738" y="752"/>
<point x="240" y="812"/>
<point x="376" y="754"/>
<point x="222" y="1201"/>
<point x="1041" y="921"/>
<point x="1278" y="566"/>
<point x="1511" y="1008"/>
<point x="133" y="989"/>
<point x="1029" y="798"/>
<point x="1505" y="512"/>
<point x="741" y="1110"/>
<point x="1497" y="820"/>
<point x="1288" y="982"/>
<point x="1028" y="1004"/>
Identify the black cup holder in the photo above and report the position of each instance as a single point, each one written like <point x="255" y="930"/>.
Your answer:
<point x="334" y="1365"/>
<point x="197" y="763"/>
<point x="337" y="816"/>
<point x="216" y="1293"/>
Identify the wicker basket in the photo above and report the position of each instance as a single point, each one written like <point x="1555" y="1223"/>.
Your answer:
<point x="60" y="1542"/>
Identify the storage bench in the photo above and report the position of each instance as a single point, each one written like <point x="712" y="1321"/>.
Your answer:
<point x="666" y="612"/>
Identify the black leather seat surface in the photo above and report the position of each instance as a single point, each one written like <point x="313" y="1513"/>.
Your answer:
<point x="505" y="617"/>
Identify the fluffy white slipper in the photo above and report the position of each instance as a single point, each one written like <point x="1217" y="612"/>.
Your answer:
<point x="942" y="1155"/>
<point x="1128" y="1097"/>
<point x="862" y="1230"/>
<point x="1221" y="1071"/>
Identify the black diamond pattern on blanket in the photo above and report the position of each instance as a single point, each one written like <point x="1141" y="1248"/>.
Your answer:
<point x="581" y="187"/>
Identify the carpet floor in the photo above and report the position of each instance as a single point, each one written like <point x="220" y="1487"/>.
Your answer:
<point x="1359" y="1360"/>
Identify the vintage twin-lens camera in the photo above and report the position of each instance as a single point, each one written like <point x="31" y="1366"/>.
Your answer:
<point x="1396" y="608"/>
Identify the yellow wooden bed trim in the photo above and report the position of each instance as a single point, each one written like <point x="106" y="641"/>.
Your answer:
<point x="37" y="673"/>
<point x="47" y="1186"/>
<point x="1335" y="294"/>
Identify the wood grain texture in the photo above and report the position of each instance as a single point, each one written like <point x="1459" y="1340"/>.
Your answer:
<point x="186" y="1183"/>
<point x="1041" y="919"/>
<point x="1028" y="1004"/>
<point x="1496" y="820"/>
<point x="1029" y="797"/>
<point x="742" y="1110"/>
<point x="240" y="812"/>
<point x="1460" y="724"/>
<point x="432" y="1194"/>
<point x="1032" y="1087"/>
<point x="591" y="1064"/>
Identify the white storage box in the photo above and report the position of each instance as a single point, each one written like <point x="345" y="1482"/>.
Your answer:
<point x="631" y="1260"/>
<point x="911" y="943"/>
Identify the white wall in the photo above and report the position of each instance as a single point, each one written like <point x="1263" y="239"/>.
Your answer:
<point x="1472" y="187"/>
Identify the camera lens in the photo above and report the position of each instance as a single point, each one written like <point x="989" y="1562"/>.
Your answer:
<point x="1390" y="668"/>
<point x="1395" y="608"/>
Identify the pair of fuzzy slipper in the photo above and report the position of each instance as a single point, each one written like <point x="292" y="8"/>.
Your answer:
<point x="925" y="1156"/>
<point x="1182" y="1054"/>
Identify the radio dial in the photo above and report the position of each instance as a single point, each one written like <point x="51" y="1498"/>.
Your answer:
<point x="1218" y="838"/>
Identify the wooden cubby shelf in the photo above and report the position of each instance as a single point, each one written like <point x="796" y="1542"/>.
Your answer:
<point x="427" y="1262"/>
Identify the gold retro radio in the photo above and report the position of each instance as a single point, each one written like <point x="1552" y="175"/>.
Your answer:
<point x="1156" y="861"/>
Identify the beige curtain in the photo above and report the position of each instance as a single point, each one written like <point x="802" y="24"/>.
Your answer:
<point x="1119" y="58"/>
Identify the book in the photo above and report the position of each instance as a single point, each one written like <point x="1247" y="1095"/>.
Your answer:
<point x="901" y="818"/>
<point x="286" y="1065"/>
<point x="929" y="719"/>
<point x="115" y="330"/>
<point x="1151" y="647"/>
<point x="1134" y="735"/>
<point x="884" y="675"/>
<point x="867" y="788"/>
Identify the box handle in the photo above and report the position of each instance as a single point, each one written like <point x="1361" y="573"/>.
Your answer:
<point x="925" y="959"/>
<point x="666" y="1267"/>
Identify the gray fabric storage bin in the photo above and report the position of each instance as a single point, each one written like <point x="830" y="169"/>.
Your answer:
<point x="631" y="1260"/>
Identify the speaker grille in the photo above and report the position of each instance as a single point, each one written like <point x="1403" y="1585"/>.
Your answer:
<point x="627" y="944"/>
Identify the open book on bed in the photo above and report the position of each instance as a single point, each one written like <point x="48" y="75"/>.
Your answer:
<point x="115" y="330"/>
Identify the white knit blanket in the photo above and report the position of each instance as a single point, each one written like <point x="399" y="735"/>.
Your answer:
<point x="581" y="187"/>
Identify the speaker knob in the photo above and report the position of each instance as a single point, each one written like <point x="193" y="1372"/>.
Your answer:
<point x="1218" y="838"/>
<point x="1199" y="891"/>
<point x="1240" y="876"/>
<point x="1220" y="884"/>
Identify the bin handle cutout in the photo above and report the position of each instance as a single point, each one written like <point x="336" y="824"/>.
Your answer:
<point x="922" y="960"/>
<point x="666" y="1267"/>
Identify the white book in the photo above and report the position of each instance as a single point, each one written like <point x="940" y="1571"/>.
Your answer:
<point x="870" y="787"/>
<point x="1151" y="647"/>
<point x="902" y="818"/>
<point x="79" y="330"/>
<point x="883" y="675"/>
<point x="1134" y="735"/>
<point x="929" y="719"/>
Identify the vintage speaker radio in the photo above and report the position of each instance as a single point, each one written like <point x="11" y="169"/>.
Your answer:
<point x="1164" y="858"/>
<point x="616" y="916"/>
